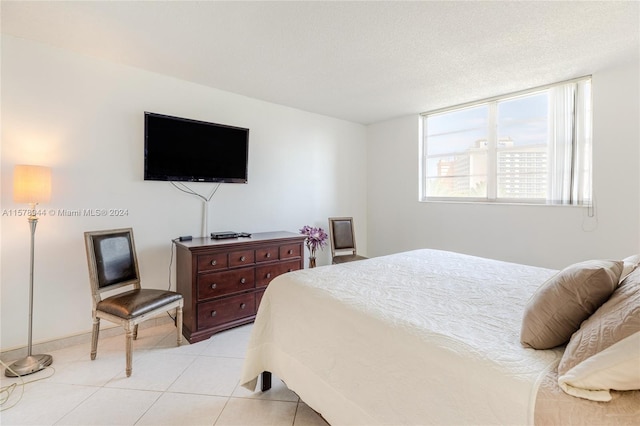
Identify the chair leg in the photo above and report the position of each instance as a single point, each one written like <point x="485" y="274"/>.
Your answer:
<point x="129" y="347"/>
<point x="179" y="323"/>
<point x="94" y="337"/>
<point x="135" y="332"/>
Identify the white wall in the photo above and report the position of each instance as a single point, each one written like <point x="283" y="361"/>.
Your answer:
<point x="84" y="118"/>
<point x="538" y="235"/>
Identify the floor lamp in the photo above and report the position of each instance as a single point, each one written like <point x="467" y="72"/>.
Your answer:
<point x="31" y="184"/>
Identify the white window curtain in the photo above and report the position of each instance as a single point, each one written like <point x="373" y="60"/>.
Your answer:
<point x="570" y="144"/>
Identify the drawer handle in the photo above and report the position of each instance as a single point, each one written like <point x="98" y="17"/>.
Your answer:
<point x="268" y="275"/>
<point x="268" y="255"/>
<point x="243" y="280"/>
<point x="213" y="313"/>
<point x="242" y="258"/>
<point x="213" y="286"/>
<point x="214" y="262"/>
<point x="243" y="305"/>
<point x="290" y="251"/>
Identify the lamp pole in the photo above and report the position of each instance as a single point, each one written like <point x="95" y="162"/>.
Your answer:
<point x="30" y="363"/>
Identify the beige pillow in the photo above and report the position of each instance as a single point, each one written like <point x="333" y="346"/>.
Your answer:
<point x="604" y="353"/>
<point x="558" y="307"/>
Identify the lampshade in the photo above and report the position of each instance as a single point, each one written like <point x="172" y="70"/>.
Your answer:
<point x="31" y="184"/>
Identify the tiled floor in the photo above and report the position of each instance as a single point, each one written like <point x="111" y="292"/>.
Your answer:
<point x="187" y="385"/>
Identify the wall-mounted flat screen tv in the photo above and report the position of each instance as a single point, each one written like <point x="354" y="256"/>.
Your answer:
<point x="180" y="149"/>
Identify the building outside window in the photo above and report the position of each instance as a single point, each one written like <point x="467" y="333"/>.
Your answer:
<point x="530" y="147"/>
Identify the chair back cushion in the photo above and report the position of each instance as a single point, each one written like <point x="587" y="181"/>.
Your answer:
<point x="342" y="235"/>
<point x="115" y="259"/>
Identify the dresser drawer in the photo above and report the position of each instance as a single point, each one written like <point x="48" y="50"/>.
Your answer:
<point x="218" y="284"/>
<point x="227" y="309"/>
<point x="265" y="273"/>
<point x="241" y="258"/>
<point x="289" y="251"/>
<point x="212" y="262"/>
<point x="267" y="254"/>
<point x="219" y="278"/>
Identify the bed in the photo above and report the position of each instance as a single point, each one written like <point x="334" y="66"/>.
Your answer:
<point x="421" y="337"/>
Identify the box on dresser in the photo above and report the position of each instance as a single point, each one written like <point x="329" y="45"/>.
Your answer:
<point x="222" y="281"/>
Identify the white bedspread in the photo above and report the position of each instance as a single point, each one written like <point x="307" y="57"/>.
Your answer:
<point x="422" y="337"/>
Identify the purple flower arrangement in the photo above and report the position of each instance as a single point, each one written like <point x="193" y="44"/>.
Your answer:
<point x="316" y="238"/>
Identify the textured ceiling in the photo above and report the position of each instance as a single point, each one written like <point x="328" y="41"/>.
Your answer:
<point x="359" y="61"/>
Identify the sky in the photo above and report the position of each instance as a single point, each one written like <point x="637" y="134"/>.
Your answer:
<point x="523" y="119"/>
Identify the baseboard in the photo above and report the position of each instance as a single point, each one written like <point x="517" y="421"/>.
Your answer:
<point x="78" y="339"/>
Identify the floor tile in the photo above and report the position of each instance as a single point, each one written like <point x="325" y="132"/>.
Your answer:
<point x="90" y="373"/>
<point x="278" y="392"/>
<point x="190" y="384"/>
<point x="152" y="371"/>
<point x="183" y="409"/>
<point x="65" y="356"/>
<point x="257" y="412"/>
<point x="43" y="403"/>
<point x="169" y="344"/>
<point x="305" y="416"/>
<point x="111" y="407"/>
<point x="148" y="338"/>
<point x="30" y="378"/>
<point x="209" y="376"/>
<point x="231" y="343"/>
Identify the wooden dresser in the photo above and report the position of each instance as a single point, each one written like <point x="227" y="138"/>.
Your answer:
<point x="222" y="281"/>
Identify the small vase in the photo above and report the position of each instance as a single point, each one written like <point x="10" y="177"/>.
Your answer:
<point x="312" y="262"/>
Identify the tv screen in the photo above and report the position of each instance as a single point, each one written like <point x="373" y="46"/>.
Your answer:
<point x="180" y="149"/>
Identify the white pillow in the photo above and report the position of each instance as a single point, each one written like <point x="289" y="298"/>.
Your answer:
<point x="612" y="368"/>
<point x="629" y="265"/>
<point x="604" y="354"/>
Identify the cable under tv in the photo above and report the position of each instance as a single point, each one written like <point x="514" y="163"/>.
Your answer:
<point x="228" y="234"/>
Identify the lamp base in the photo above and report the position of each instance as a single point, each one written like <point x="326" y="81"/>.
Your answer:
<point x="28" y="365"/>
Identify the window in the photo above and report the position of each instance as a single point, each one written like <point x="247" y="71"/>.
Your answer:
<point x="529" y="147"/>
